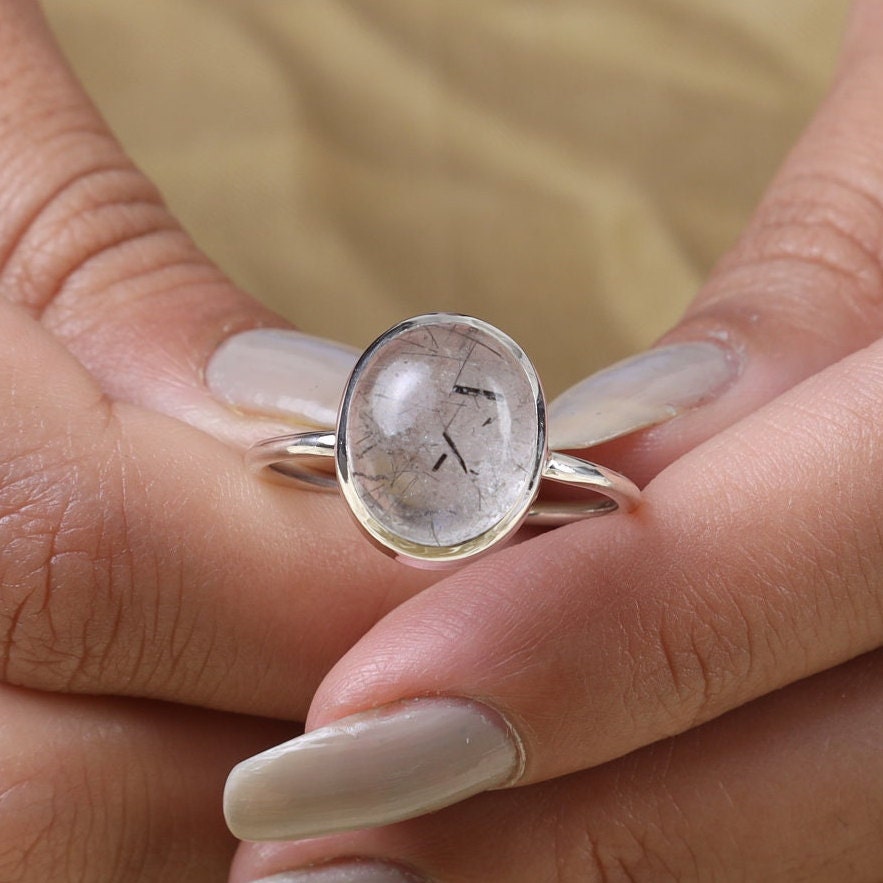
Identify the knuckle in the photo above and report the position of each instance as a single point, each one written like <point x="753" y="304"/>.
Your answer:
<point x="705" y="644"/>
<point x="92" y="206"/>
<point x="28" y="819"/>
<point x="61" y="813"/>
<point x="46" y="810"/>
<point x="620" y="851"/>
<point x="811" y="226"/>
<point x="696" y="653"/>
<point x="60" y="573"/>
<point x="592" y="860"/>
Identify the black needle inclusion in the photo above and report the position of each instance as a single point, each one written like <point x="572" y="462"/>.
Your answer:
<point x="453" y="447"/>
<point x="475" y="392"/>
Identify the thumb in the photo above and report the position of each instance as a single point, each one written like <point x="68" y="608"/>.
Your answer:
<point x="88" y="247"/>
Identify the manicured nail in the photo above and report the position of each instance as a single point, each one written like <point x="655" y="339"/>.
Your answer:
<point x="279" y="373"/>
<point x="348" y="872"/>
<point x="372" y="768"/>
<point x="642" y="391"/>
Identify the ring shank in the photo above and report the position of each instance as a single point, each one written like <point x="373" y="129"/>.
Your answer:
<point x="616" y="490"/>
<point x="303" y="459"/>
<point x="299" y="459"/>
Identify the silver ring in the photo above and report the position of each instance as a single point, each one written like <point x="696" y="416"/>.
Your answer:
<point x="440" y="446"/>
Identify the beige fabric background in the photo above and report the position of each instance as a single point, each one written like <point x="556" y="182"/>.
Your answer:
<point x="567" y="169"/>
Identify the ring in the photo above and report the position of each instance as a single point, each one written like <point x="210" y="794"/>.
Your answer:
<point x="440" y="446"/>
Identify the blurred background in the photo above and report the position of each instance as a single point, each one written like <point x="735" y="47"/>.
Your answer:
<point x="566" y="169"/>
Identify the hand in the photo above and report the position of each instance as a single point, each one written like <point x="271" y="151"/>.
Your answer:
<point x="693" y="693"/>
<point x="141" y="569"/>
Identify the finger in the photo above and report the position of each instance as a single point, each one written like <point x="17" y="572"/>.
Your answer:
<point x="139" y="558"/>
<point x="800" y="290"/>
<point x="111" y="789"/>
<point x="651" y="624"/>
<point x="598" y="638"/>
<point x="789" y="786"/>
<point x="87" y="245"/>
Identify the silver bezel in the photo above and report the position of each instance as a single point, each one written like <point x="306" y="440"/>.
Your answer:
<point x="384" y="538"/>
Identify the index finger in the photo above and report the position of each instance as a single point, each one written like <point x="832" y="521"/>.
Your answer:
<point x="748" y="567"/>
<point x="751" y="565"/>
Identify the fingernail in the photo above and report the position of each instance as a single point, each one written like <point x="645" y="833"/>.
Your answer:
<point x="274" y="372"/>
<point x="638" y="392"/>
<point x="348" y="872"/>
<point x="372" y="768"/>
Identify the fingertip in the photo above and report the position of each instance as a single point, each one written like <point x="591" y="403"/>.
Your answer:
<point x="372" y="768"/>
<point x="281" y="373"/>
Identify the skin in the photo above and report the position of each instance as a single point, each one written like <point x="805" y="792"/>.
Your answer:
<point x="115" y="519"/>
<point x="714" y="694"/>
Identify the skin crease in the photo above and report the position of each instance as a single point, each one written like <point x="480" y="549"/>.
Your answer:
<point x="121" y="590"/>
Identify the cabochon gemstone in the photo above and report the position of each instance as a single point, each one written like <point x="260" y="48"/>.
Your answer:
<point x="442" y="432"/>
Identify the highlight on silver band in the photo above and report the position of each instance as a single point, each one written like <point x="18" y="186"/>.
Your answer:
<point x="297" y="459"/>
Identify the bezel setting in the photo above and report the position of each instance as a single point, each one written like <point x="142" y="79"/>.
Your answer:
<point x="369" y="515"/>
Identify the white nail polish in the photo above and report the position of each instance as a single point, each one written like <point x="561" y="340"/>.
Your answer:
<point x="274" y="372"/>
<point x="373" y="768"/>
<point x="347" y="872"/>
<point x="638" y="392"/>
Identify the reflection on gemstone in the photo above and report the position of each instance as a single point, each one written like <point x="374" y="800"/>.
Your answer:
<point x="442" y="431"/>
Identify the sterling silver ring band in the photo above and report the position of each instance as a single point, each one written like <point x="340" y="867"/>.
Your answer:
<point x="440" y="446"/>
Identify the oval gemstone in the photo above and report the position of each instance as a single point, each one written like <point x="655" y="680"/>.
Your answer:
<point x="442" y="431"/>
